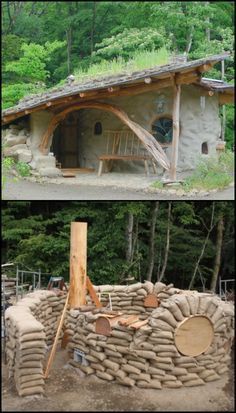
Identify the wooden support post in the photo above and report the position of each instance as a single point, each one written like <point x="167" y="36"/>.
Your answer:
<point x="175" y="140"/>
<point x="54" y="347"/>
<point x="92" y="293"/>
<point x="78" y="264"/>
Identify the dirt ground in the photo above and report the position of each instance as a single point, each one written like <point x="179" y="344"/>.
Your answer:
<point x="112" y="186"/>
<point x="68" y="390"/>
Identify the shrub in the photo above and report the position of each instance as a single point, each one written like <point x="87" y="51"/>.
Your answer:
<point x="22" y="168"/>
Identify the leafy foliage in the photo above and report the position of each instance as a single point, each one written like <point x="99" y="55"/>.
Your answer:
<point x="127" y="42"/>
<point x="60" y="38"/>
<point x="213" y="172"/>
<point x="37" y="235"/>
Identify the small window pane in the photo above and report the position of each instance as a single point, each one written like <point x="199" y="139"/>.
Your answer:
<point x="98" y="128"/>
<point x="162" y="130"/>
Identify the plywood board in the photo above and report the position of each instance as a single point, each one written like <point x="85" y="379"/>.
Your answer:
<point x="194" y="335"/>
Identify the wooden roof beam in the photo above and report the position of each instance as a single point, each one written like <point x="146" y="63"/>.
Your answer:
<point x="148" y="80"/>
<point x="113" y="89"/>
<point x="206" y="67"/>
<point x="186" y="78"/>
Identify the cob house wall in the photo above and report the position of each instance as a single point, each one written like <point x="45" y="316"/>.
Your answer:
<point x="184" y="339"/>
<point x="75" y="143"/>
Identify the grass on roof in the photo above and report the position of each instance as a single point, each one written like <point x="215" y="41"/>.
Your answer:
<point x="139" y="61"/>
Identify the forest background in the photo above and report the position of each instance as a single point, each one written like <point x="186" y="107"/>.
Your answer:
<point x="189" y="243"/>
<point x="44" y="42"/>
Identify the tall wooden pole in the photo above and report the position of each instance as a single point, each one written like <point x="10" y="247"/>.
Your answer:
<point x="175" y="140"/>
<point x="78" y="264"/>
<point x="223" y="123"/>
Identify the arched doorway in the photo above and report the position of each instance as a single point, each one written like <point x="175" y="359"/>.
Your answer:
<point x="146" y="138"/>
<point x="64" y="144"/>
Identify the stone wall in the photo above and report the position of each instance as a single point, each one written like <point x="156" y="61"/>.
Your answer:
<point x="21" y="142"/>
<point x="17" y="143"/>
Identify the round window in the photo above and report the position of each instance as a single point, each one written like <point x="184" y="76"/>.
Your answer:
<point x="194" y="335"/>
<point x="162" y="130"/>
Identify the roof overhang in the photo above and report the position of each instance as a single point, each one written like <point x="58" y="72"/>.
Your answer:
<point x="113" y="86"/>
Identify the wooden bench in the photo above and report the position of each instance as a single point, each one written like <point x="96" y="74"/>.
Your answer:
<point x="112" y="157"/>
<point x="125" y="146"/>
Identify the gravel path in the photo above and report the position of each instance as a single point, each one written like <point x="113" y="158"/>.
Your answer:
<point x="107" y="187"/>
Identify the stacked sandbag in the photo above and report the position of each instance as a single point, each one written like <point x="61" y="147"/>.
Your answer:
<point x="126" y="298"/>
<point x="25" y="350"/>
<point x="30" y="327"/>
<point x="148" y="357"/>
<point x="48" y="309"/>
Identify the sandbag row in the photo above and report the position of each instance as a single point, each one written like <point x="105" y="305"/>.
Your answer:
<point x="30" y="326"/>
<point x="130" y="298"/>
<point x="148" y="357"/>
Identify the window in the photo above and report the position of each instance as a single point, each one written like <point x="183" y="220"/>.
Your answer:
<point x="162" y="130"/>
<point x="204" y="148"/>
<point x="98" y="128"/>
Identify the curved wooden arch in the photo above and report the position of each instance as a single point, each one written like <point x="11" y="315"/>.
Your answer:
<point x="153" y="147"/>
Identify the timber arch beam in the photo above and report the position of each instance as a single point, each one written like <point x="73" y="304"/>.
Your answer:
<point x="150" y="143"/>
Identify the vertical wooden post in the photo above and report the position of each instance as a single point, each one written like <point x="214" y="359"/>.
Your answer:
<point x="78" y="264"/>
<point x="175" y="140"/>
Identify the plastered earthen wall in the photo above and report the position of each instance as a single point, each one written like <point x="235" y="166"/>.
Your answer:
<point x="146" y="357"/>
<point x="197" y="125"/>
<point x="199" y="122"/>
<point x="46" y="165"/>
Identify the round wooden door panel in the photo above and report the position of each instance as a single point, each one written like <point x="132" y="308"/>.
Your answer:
<point x="194" y="335"/>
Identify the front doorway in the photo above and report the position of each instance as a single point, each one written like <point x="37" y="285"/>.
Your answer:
<point x="65" y="143"/>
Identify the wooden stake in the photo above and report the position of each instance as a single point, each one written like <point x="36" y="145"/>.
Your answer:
<point x="53" y="350"/>
<point x="92" y="293"/>
<point x="175" y="141"/>
<point x="78" y="264"/>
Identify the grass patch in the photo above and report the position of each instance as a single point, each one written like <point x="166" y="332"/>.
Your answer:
<point x="157" y="185"/>
<point x="212" y="173"/>
<point x="140" y="60"/>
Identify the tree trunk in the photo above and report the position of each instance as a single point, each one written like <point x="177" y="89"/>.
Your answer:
<point x="93" y="28"/>
<point x="189" y="41"/>
<point x="223" y="123"/>
<point x="167" y="244"/>
<point x="219" y="241"/>
<point x="203" y="247"/>
<point x="68" y="39"/>
<point x="152" y="240"/>
<point x="208" y="30"/>
<point x="135" y="239"/>
<point x="129" y="237"/>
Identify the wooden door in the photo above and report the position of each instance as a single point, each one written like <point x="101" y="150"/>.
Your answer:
<point x="69" y="144"/>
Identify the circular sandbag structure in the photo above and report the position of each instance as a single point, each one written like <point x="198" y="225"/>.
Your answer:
<point x="184" y="339"/>
<point x="156" y="336"/>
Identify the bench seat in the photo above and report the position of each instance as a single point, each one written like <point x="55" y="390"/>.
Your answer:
<point x="114" y="157"/>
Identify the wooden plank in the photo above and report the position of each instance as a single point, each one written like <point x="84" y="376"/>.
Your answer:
<point x="194" y="335"/>
<point x="225" y="98"/>
<point x="53" y="350"/>
<point x="78" y="264"/>
<point x="92" y="293"/>
<point x="175" y="140"/>
<point x="139" y="324"/>
<point x="131" y="319"/>
<point x="125" y="157"/>
<point x="68" y="175"/>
